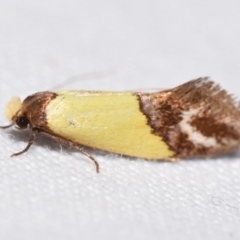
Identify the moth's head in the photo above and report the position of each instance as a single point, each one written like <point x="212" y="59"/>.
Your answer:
<point x="31" y="112"/>
<point x="15" y="113"/>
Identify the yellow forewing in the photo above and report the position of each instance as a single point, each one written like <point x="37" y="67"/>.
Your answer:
<point x="109" y="121"/>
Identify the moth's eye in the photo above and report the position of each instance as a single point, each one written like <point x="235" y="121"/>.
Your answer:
<point x="22" y="122"/>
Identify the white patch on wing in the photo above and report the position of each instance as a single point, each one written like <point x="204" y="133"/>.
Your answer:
<point x="193" y="134"/>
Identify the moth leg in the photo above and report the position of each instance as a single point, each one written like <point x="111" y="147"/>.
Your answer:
<point x="71" y="144"/>
<point x="80" y="149"/>
<point x="30" y="142"/>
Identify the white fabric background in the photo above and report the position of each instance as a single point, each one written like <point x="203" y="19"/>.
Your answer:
<point x="54" y="193"/>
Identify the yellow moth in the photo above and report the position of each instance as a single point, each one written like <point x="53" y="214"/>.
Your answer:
<point x="197" y="118"/>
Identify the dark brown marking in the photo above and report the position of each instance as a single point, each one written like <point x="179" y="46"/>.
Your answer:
<point x="218" y="116"/>
<point x="71" y="123"/>
<point x="33" y="108"/>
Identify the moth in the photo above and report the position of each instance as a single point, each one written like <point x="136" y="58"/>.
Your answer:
<point x="195" y="119"/>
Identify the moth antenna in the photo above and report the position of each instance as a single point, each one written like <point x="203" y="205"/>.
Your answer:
<point x="86" y="76"/>
<point x="8" y="126"/>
